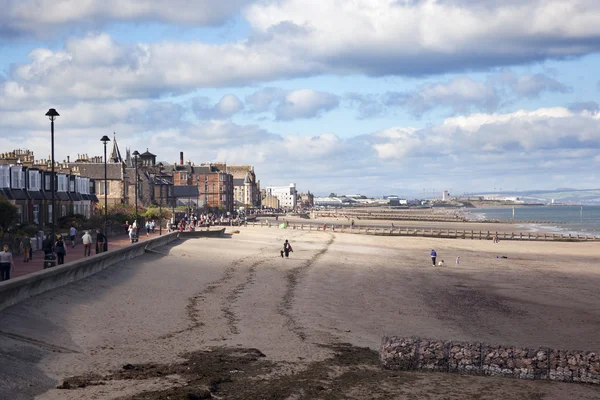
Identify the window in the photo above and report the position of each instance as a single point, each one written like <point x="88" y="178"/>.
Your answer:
<point x="47" y="182"/>
<point x="182" y="176"/>
<point x="63" y="210"/>
<point x="221" y="177"/>
<point x="18" y="178"/>
<point x="36" y="214"/>
<point x="101" y="187"/>
<point x="20" y="212"/>
<point x="4" y="176"/>
<point x="63" y="183"/>
<point x="49" y="213"/>
<point x="34" y="180"/>
<point x="71" y="185"/>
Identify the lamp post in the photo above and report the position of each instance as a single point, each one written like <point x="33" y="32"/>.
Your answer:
<point x="52" y="114"/>
<point x="160" y="170"/>
<point x="105" y="140"/>
<point x="136" y="154"/>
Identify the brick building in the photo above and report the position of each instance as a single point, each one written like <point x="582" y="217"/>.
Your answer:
<point x="215" y="185"/>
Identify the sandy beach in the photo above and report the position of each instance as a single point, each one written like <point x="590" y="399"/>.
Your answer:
<point x="230" y="319"/>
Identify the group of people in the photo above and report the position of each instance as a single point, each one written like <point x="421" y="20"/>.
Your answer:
<point x="433" y="255"/>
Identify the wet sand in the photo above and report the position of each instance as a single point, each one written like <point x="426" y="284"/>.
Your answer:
<point x="337" y="294"/>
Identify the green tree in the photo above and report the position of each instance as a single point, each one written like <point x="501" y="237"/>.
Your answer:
<point x="9" y="215"/>
<point x="154" y="213"/>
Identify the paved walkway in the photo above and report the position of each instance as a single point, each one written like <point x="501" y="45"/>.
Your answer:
<point x="37" y="263"/>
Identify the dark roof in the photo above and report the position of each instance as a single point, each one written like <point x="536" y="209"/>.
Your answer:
<point x="96" y="170"/>
<point x="61" y="196"/>
<point x="185" y="191"/>
<point x="19" y="194"/>
<point x="147" y="154"/>
<point x="93" y="197"/>
<point x="6" y="193"/>
<point x="76" y="196"/>
<point x="238" y="182"/>
<point x="36" y="195"/>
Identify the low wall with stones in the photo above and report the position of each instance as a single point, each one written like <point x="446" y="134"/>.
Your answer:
<point x="420" y="354"/>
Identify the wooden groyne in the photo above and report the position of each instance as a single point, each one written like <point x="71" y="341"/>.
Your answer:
<point x="440" y="233"/>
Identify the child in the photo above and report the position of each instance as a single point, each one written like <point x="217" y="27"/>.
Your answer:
<point x="441" y="263"/>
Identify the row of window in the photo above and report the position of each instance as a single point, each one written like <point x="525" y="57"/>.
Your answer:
<point x="13" y="177"/>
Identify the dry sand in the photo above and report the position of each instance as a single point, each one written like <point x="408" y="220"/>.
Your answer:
<point x="231" y="295"/>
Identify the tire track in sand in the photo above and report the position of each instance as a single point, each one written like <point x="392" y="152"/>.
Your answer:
<point x="292" y="279"/>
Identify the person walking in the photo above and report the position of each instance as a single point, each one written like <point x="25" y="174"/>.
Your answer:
<point x="131" y="233"/>
<point x="153" y="226"/>
<point x="26" y="245"/>
<point x="100" y="240"/>
<point x="87" y="243"/>
<point x="147" y="228"/>
<point x="73" y="233"/>
<point x="61" y="250"/>
<point x="433" y="256"/>
<point x="6" y="263"/>
<point x="127" y="227"/>
<point x="287" y="249"/>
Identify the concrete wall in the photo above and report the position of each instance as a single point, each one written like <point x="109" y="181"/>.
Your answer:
<point x="483" y="359"/>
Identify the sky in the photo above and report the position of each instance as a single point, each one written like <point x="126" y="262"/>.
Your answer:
<point x="375" y="97"/>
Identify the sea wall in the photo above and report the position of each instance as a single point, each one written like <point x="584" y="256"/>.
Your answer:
<point x="418" y="354"/>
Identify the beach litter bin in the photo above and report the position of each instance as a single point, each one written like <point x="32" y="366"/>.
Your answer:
<point x="49" y="260"/>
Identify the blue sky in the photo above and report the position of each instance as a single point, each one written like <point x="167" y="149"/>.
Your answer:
<point x="368" y="96"/>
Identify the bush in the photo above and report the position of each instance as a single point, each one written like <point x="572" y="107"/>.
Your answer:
<point x="9" y="215"/>
<point x="153" y="212"/>
<point x="67" y="221"/>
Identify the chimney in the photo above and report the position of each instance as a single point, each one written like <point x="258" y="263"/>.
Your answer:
<point x="181" y="158"/>
<point x="68" y="159"/>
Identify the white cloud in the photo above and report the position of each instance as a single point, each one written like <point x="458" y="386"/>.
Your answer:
<point x="225" y="108"/>
<point x="293" y="104"/>
<point x="27" y="17"/>
<point x="305" y="103"/>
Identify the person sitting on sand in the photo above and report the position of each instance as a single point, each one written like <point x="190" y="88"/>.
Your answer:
<point x="441" y="263"/>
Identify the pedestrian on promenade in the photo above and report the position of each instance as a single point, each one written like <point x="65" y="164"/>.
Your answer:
<point x="26" y="245"/>
<point x="127" y="227"/>
<point x="153" y="226"/>
<point x="72" y="233"/>
<point x="61" y="250"/>
<point x="131" y="233"/>
<point x="47" y="245"/>
<point x="287" y="248"/>
<point x="87" y="243"/>
<point x="147" y="226"/>
<point x="100" y="240"/>
<point x="433" y="257"/>
<point x="6" y="263"/>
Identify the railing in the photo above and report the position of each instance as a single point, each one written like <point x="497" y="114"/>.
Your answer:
<point x="438" y="233"/>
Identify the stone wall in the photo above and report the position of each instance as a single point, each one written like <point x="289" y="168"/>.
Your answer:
<point x="415" y="353"/>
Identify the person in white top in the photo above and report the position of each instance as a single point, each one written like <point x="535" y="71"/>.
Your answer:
<point x="72" y="233"/>
<point x="87" y="243"/>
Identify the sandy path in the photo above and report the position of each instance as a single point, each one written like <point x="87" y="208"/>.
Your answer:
<point x="238" y="293"/>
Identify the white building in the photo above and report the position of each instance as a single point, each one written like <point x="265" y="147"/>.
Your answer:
<point x="445" y="195"/>
<point x="285" y="194"/>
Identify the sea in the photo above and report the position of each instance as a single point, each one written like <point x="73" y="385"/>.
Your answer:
<point x="556" y="219"/>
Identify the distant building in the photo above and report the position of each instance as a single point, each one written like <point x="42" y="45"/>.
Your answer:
<point x="445" y="195"/>
<point x="306" y="200"/>
<point x="270" y="202"/>
<point x="285" y="194"/>
<point x="328" y="202"/>
<point x="246" y="188"/>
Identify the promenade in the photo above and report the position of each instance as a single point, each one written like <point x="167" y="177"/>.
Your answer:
<point x="73" y="254"/>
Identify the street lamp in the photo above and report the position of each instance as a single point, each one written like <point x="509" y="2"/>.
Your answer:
<point x="136" y="154"/>
<point x="160" y="171"/>
<point x="105" y="140"/>
<point x="52" y="114"/>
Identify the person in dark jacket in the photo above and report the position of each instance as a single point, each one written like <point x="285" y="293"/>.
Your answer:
<point x="61" y="250"/>
<point x="287" y="248"/>
<point x="100" y="240"/>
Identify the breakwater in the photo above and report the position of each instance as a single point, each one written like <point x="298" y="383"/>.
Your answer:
<point x="438" y="233"/>
<point x="419" y="354"/>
